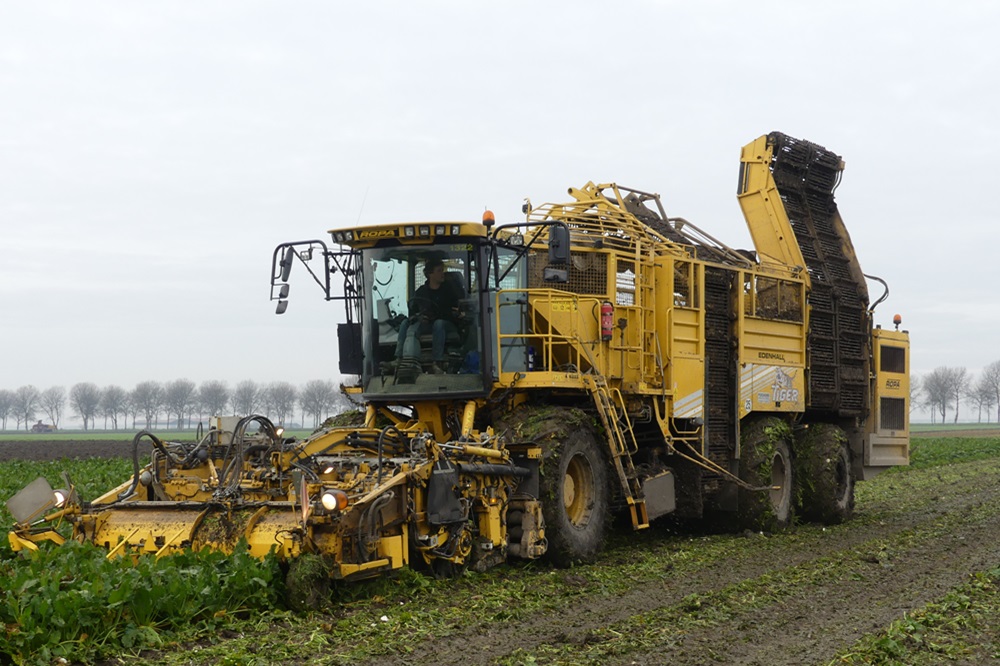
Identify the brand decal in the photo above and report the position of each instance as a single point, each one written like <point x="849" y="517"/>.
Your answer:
<point x="783" y="389"/>
<point x="377" y="233"/>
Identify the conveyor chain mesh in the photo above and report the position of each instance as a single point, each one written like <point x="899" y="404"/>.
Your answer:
<point x="719" y="389"/>
<point x="806" y="175"/>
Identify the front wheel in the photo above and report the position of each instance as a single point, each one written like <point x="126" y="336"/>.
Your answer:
<point x="766" y="465"/>
<point x="575" y="496"/>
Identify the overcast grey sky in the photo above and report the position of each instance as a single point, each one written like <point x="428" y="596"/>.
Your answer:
<point x="153" y="155"/>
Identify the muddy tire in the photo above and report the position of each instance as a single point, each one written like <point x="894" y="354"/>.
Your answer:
<point x="766" y="462"/>
<point x="823" y="475"/>
<point x="575" y="497"/>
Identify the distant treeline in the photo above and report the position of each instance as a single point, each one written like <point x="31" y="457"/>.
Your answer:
<point x="946" y="389"/>
<point x="180" y="403"/>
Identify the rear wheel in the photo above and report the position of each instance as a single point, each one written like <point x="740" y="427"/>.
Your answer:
<point x="766" y="465"/>
<point x="823" y="474"/>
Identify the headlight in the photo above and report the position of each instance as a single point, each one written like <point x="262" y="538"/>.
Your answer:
<point x="333" y="500"/>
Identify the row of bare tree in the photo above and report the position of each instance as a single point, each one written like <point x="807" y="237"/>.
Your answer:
<point x="945" y="389"/>
<point x="179" y="401"/>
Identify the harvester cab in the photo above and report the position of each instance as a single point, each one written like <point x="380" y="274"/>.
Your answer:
<point x="421" y="302"/>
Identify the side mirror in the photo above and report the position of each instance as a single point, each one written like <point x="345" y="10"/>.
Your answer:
<point x="559" y="244"/>
<point x="351" y="350"/>
<point x="286" y="263"/>
<point x="282" y="297"/>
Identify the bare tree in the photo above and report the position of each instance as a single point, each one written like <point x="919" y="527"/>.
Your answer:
<point x="991" y="377"/>
<point x="937" y="390"/>
<point x="281" y="398"/>
<point x="246" y="397"/>
<point x="317" y="398"/>
<point x="179" y="396"/>
<point x="114" y="401"/>
<point x="27" y="400"/>
<point x="147" y="397"/>
<point x="6" y="405"/>
<point x="916" y="392"/>
<point x="53" y="400"/>
<point x="85" y="398"/>
<point x="959" y="387"/>
<point x="213" y="396"/>
<point x="981" y="396"/>
<point x="131" y="409"/>
<point x="265" y="401"/>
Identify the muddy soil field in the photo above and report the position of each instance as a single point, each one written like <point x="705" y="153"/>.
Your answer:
<point x="41" y="449"/>
<point x="798" y="598"/>
<point x="663" y="595"/>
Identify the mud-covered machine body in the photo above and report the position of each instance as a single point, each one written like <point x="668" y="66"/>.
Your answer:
<point x="523" y="381"/>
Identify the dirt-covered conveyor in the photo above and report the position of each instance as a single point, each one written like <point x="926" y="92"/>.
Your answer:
<point x="806" y="176"/>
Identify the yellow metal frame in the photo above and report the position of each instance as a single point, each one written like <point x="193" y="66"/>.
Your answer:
<point x="764" y="212"/>
<point x="887" y="438"/>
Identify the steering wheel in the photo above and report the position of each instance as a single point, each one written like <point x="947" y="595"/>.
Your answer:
<point x="423" y="306"/>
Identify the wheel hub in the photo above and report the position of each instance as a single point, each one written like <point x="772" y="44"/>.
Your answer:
<point x="578" y="491"/>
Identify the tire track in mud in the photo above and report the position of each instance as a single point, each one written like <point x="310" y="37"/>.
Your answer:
<point x="865" y="597"/>
<point x="801" y="629"/>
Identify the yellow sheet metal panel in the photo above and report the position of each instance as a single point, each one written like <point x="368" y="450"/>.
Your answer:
<point x="762" y="207"/>
<point x="686" y="337"/>
<point x="690" y="400"/>
<point x="275" y="529"/>
<point x="887" y="441"/>
<point x="773" y="342"/>
<point x="886" y="451"/>
<point x="146" y="530"/>
<point x="891" y="397"/>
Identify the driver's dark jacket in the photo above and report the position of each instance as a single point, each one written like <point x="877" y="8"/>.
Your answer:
<point x="445" y="298"/>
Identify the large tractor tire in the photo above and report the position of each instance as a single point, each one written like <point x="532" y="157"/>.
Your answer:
<point x="573" y="485"/>
<point x="576" y="501"/>
<point x="766" y="465"/>
<point x="823" y="474"/>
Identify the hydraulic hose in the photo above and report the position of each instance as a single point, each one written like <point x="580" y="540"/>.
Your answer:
<point x="135" y="459"/>
<point x="381" y="443"/>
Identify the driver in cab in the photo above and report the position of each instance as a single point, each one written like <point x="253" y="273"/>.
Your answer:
<point x="434" y="309"/>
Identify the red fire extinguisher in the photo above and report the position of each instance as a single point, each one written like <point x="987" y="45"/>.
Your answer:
<point x="607" y="320"/>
